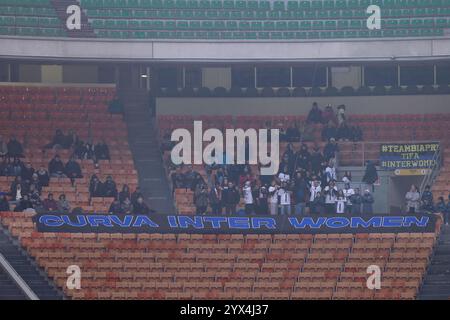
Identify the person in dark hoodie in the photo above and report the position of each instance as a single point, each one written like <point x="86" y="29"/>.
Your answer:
<point x="43" y="176"/>
<point x="58" y="142"/>
<point x="15" y="148"/>
<point x="102" y="151"/>
<point x="73" y="170"/>
<point x="95" y="187"/>
<point x="56" y="167"/>
<point x="356" y="200"/>
<point x="315" y="114"/>
<point x="141" y="207"/>
<point x="115" y="207"/>
<point x="230" y="198"/>
<point x="27" y="172"/>
<point x="371" y="174"/>
<point x="109" y="187"/>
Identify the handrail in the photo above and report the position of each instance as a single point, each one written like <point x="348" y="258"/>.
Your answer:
<point x="433" y="171"/>
<point x="17" y="278"/>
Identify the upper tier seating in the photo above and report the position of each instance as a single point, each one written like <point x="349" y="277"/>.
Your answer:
<point x="264" y="20"/>
<point x="29" y="18"/>
<point x="33" y="114"/>
<point x="157" y="266"/>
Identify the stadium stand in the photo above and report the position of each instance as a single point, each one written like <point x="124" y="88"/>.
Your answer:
<point x="156" y="266"/>
<point x="33" y="114"/>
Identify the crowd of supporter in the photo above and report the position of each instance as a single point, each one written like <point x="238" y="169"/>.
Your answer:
<point x="129" y="203"/>
<point x="416" y="202"/>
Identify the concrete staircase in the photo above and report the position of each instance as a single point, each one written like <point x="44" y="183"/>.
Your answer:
<point x="8" y="288"/>
<point x="86" y="30"/>
<point x="27" y="268"/>
<point x="437" y="281"/>
<point x="147" y="156"/>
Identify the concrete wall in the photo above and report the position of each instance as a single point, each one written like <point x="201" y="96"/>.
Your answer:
<point x="142" y="50"/>
<point x="216" y="77"/>
<point x="80" y="74"/>
<point x="290" y="106"/>
<point x="52" y="74"/>
<point x="346" y="76"/>
<point x="30" y="73"/>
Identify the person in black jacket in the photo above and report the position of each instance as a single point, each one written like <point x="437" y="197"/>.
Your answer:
<point x="15" y="148"/>
<point x="109" y="187"/>
<point x="73" y="170"/>
<point x="43" y="176"/>
<point x="141" y="207"/>
<point x="4" y="204"/>
<point x="24" y="204"/>
<point x="124" y="194"/>
<point x="315" y="114"/>
<point x="101" y="151"/>
<point x="230" y="198"/>
<point x="96" y="187"/>
<point x="27" y="172"/>
<point x="58" y="142"/>
<point x="115" y="207"/>
<point x="215" y="199"/>
<point x="56" y="167"/>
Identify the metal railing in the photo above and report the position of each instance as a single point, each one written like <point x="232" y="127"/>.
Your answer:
<point x="4" y="264"/>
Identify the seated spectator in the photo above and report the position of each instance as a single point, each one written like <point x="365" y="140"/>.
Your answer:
<point x="27" y="172"/>
<point x="127" y="206"/>
<point x="344" y="132"/>
<point x="440" y="206"/>
<point x="356" y="133"/>
<point x="95" y="187"/>
<point x="16" y="167"/>
<point x="109" y="188"/>
<point x="80" y="150"/>
<point x="15" y="149"/>
<point x="315" y="114"/>
<point x="43" y="176"/>
<point x="3" y="148"/>
<point x="330" y="150"/>
<point x="101" y="151"/>
<point x="24" y="204"/>
<point x="50" y="204"/>
<point x="56" y="167"/>
<point x="63" y="204"/>
<point x="141" y="207"/>
<point x="125" y="193"/>
<point x="58" y="141"/>
<point x="18" y="189"/>
<point x="427" y="196"/>
<point x="35" y="196"/>
<point x="329" y="132"/>
<point x="73" y="170"/>
<point x="89" y="150"/>
<point x="135" y="195"/>
<point x="4" y="204"/>
<point x="367" y="202"/>
<point x="115" y="207"/>
<point x="293" y="133"/>
<point x="307" y="132"/>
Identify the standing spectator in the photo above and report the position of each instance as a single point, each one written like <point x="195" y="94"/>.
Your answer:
<point x="102" y="151"/>
<point x="316" y="159"/>
<point x="412" y="200"/>
<point x="348" y="193"/>
<point x="314" y="192"/>
<point x="15" y="149"/>
<point x="71" y="140"/>
<point x="50" y="204"/>
<point x="347" y="178"/>
<point x="63" y="204"/>
<point x="273" y="198"/>
<point x="284" y="176"/>
<point x="248" y="198"/>
<point x="441" y="207"/>
<point x="303" y="158"/>
<point x="300" y="193"/>
<point x="17" y="167"/>
<point x="34" y="196"/>
<point x="328" y="115"/>
<point x="3" y="148"/>
<point x="201" y="199"/>
<point x="127" y="206"/>
<point x="56" y="167"/>
<point x="427" y="196"/>
<point x="109" y="188"/>
<point x="215" y="199"/>
<point x="318" y="205"/>
<point x="341" y="202"/>
<point x="43" y="176"/>
<point x="367" y="202"/>
<point x="330" y="192"/>
<point x="262" y="207"/>
<point x="356" y="200"/>
<point x="330" y="150"/>
<point x="371" y="174"/>
<point x="315" y="114"/>
<point x="330" y="172"/>
<point x="285" y="199"/>
<point x="4" y="204"/>
<point x="230" y="197"/>
<point x="73" y="170"/>
<point x="341" y="118"/>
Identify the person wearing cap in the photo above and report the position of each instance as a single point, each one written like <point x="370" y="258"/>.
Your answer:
<point x="367" y="202"/>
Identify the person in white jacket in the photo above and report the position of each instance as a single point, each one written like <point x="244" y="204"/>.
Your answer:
<point x="248" y="198"/>
<point x="285" y="199"/>
<point x="273" y="198"/>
